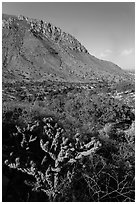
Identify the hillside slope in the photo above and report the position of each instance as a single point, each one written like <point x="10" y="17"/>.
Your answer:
<point x="36" y="50"/>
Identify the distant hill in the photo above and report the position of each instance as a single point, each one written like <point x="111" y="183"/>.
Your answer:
<point x="36" y="50"/>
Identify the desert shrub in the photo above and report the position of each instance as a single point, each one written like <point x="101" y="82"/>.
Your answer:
<point x="125" y="86"/>
<point x="56" y="157"/>
<point x="103" y="173"/>
<point x="98" y="182"/>
<point x="86" y="111"/>
<point x="106" y="174"/>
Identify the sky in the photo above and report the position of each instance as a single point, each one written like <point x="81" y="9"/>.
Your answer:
<point x="106" y="29"/>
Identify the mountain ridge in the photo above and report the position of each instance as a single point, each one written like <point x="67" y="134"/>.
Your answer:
<point x="37" y="50"/>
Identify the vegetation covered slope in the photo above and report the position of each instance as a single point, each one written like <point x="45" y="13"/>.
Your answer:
<point x="36" y="50"/>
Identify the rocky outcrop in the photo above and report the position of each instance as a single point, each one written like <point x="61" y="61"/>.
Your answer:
<point x="48" y="30"/>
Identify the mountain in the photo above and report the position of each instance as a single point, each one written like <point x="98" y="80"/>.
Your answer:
<point x="34" y="50"/>
<point x="68" y="119"/>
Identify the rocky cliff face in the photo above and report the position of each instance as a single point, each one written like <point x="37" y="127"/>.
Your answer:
<point x="39" y="27"/>
<point x="37" y="50"/>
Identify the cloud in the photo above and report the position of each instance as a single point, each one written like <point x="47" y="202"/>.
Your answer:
<point x="126" y="52"/>
<point x="103" y="54"/>
<point x="106" y="53"/>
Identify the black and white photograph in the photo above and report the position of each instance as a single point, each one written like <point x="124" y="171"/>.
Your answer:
<point x="68" y="101"/>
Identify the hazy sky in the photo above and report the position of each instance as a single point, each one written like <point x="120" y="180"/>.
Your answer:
<point x="106" y="29"/>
